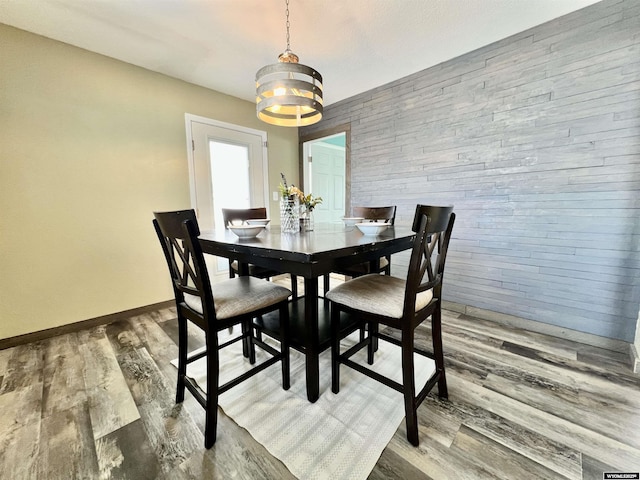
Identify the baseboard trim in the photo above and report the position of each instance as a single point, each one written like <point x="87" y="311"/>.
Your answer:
<point x="635" y="358"/>
<point x="77" y="326"/>
<point x="539" y="327"/>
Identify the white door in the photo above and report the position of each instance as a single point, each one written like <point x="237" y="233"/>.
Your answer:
<point x="227" y="169"/>
<point x="327" y="180"/>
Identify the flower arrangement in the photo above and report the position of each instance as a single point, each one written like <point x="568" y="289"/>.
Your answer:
<point x="287" y="191"/>
<point x="296" y="208"/>
<point x="308" y="201"/>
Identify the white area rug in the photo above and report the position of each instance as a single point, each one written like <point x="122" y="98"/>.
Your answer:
<point x="341" y="436"/>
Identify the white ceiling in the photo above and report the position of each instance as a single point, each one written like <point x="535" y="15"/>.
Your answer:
<point x="220" y="44"/>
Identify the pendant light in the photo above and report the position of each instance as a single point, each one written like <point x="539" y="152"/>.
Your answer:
<point x="288" y="93"/>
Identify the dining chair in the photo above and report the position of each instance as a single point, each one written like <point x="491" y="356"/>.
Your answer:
<point x="216" y="307"/>
<point x="243" y="214"/>
<point x="381" y="300"/>
<point x="369" y="214"/>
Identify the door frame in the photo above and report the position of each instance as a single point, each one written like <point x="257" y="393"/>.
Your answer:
<point x="344" y="128"/>
<point x="188" y="118"/>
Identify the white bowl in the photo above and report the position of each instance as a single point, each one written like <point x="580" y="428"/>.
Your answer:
<point x="259" y="221"/>
<point x="372" y="228"/>
<point x="351" y="221"/>
<point x="246" y="231"/>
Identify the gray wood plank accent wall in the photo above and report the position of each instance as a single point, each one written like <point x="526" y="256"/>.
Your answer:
<point x="536" y="141"/>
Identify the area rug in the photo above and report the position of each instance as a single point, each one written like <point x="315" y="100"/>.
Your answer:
<point x="341" y="436"/>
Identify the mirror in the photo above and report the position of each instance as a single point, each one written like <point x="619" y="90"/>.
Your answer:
<point x="325" y="171"/>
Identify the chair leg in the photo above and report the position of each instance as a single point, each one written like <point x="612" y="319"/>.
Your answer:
<point x="325" y="284"/>
<point x="182" y="358"/>
<point x="375" y="337"/>
<point x="409" y="387"/>
<point x="371" y="347"/>
<point x="245" y="343"/>
<point x="257" y="331"/>
<point x="373" y="329"/>
<point x="284" y="346"/>
<point x="248" y="347"/>
<point x="436" y="334"/>
<point x="335" y="348"/>
<point x="211" y="407"/>
<point x="294" y="287"/>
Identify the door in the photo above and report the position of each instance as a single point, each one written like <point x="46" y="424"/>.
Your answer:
<point x="325" y="176"/>
<point x="227" y="169"/>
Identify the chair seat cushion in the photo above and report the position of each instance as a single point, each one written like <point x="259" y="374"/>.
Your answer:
<point x="240" y="295"/>
<point x="256" y="271"/>
<point x="363" y="268"/>
<point x="378" y="294"/>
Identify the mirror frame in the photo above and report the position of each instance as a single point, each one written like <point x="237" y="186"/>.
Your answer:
<point x="344" y="128"/>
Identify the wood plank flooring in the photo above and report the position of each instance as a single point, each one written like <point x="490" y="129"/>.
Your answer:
<point x="100" y="404"/>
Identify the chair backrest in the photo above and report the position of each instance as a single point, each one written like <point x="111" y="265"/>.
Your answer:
<point x="433" y="227"/>
<point x="233" y="214"/>
<point x="388" y="214"/>
<point x="178" y="233"/>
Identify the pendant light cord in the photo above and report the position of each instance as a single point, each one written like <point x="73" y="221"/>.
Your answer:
<point x="287" y="13"/>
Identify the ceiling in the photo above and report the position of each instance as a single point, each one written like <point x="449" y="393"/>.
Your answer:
<point x="220" y="44"/>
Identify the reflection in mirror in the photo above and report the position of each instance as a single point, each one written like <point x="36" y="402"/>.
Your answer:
<point x="325" y="172"/>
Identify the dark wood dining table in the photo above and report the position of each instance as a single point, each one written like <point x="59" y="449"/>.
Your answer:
<point x="309" y="255"/>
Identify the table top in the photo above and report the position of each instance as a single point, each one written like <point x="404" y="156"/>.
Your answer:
<point x="323" y="248"/>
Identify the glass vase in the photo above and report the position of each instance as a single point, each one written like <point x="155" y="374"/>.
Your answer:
<point x="289" y="214"/>
<point x="306" y="219"/>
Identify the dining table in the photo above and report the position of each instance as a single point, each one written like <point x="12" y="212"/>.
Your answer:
<point x="310" y="255"/>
